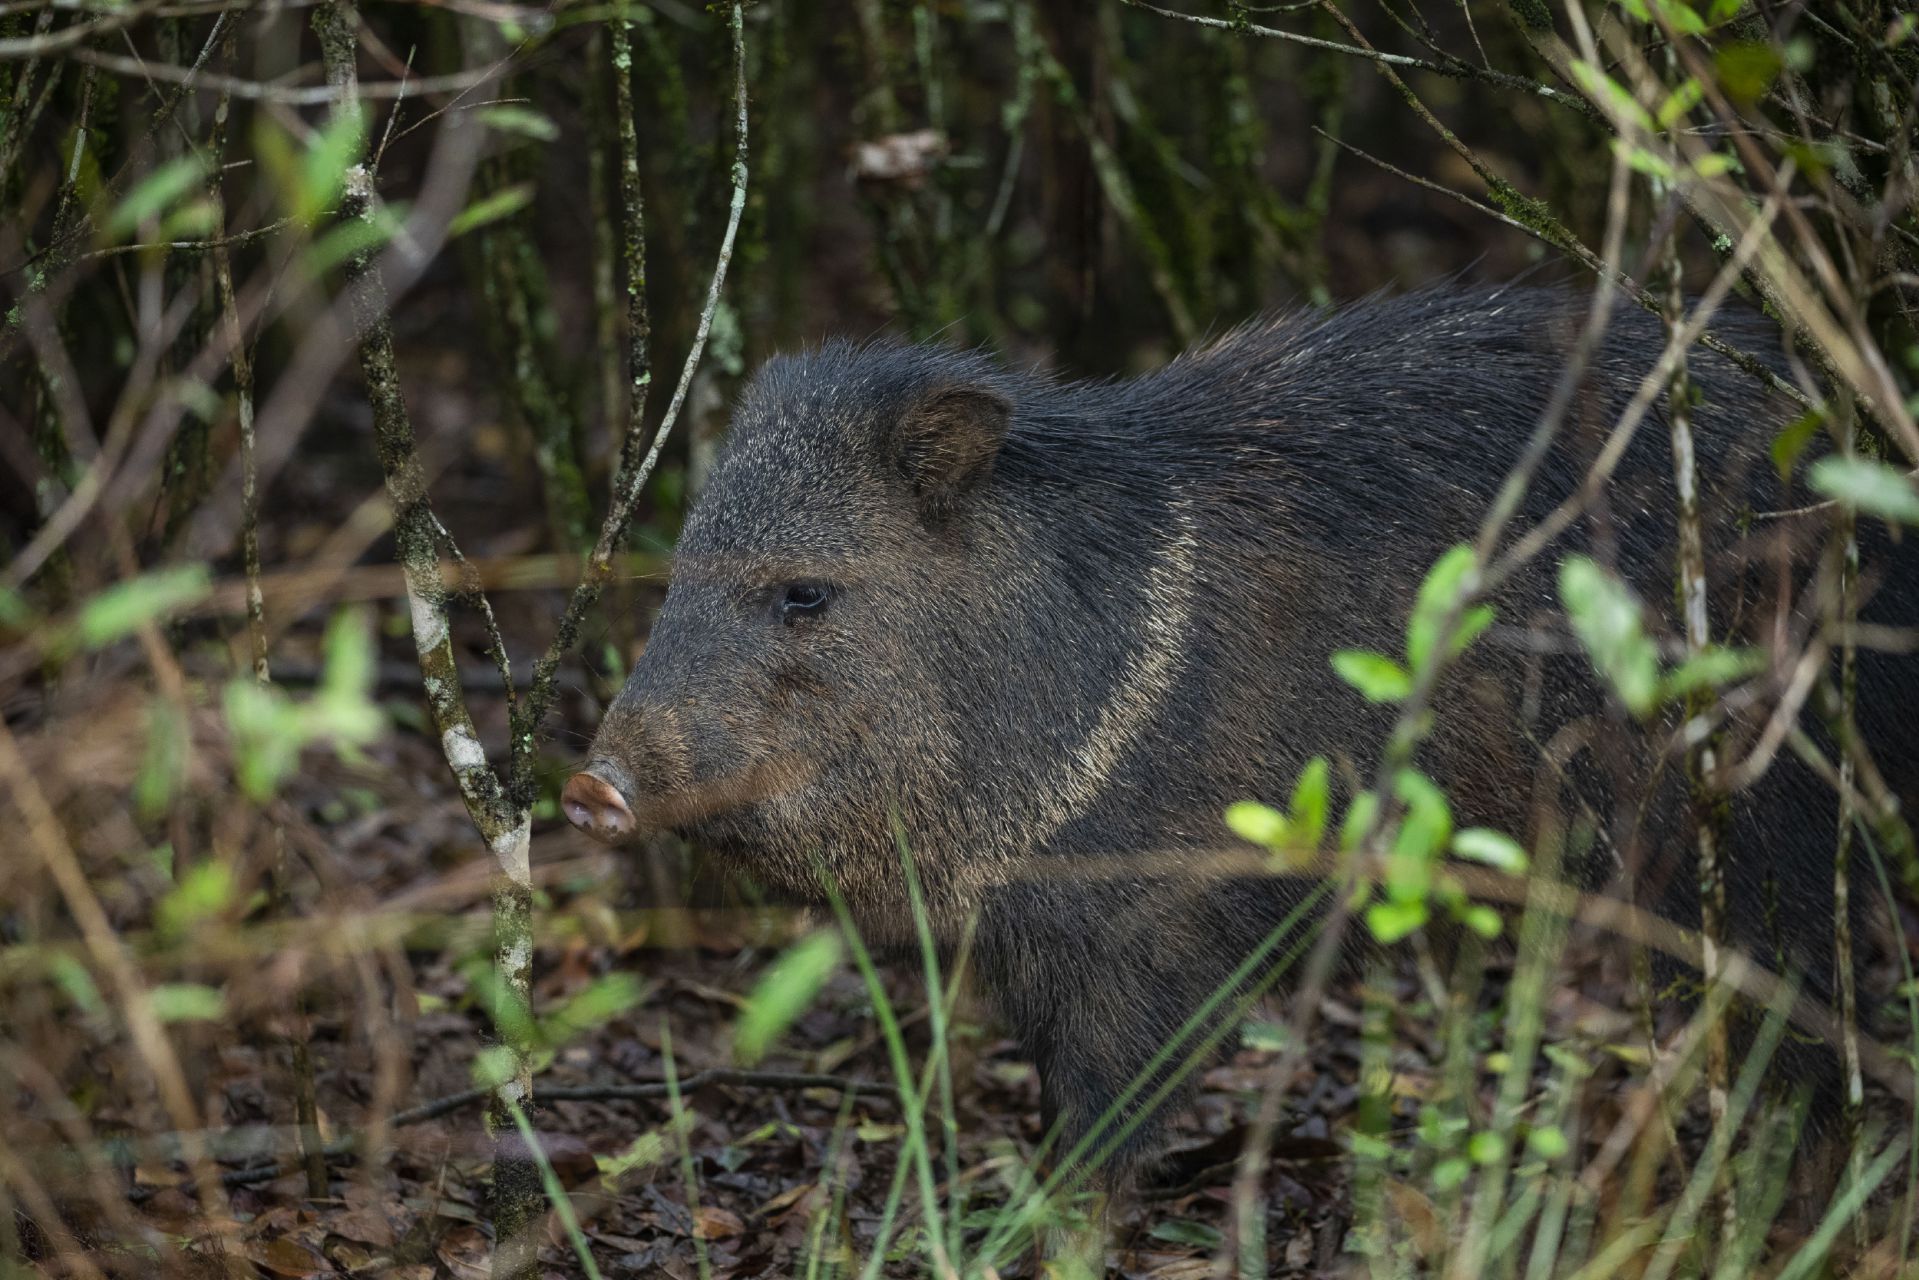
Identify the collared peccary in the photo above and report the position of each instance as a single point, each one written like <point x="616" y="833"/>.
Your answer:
<point x="1042" y="633"/>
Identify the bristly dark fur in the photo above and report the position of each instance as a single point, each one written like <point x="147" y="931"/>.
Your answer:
<point x="1070" y="622"/>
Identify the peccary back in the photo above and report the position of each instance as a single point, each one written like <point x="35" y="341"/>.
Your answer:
<point x="1046" y="632"/>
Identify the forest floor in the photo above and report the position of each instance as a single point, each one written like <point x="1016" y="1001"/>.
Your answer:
<point x="768" y="1154"/>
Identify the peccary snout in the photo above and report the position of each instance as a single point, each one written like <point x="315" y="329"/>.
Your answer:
<point x="657" y="767"/>
<point x="596" y="807"/>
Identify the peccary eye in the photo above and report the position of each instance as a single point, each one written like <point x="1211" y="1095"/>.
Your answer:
<point x="802" y="600"/>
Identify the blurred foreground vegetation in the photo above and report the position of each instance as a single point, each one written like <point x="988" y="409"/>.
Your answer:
<point x="334" y="345"/>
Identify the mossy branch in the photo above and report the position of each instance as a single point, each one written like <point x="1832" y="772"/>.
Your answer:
<point x="639" y="326"/>
<point x="1118" y="189"/>
<point x="632" y="477"/>
<point x="418" y="535"/>
<point x="1449" y="66"/>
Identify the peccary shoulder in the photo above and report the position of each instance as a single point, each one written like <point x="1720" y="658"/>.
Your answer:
<point x="1046" y="632"/>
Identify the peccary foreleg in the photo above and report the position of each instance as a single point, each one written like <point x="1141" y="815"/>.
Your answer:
<point x="1120" y="987"/>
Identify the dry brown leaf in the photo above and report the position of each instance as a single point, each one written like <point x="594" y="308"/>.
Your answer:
<point x="1411" y="1084"/>
<point x="1299" y="1250"/>
<point x="899" y="157"/>
<point x="1412" y="1207"/>
<point x="710" y="1222"/>
<point x="790" y="1196"/>
<point x="284" y="1257"/>
<point x="706" y="991"/>
<point x="367" y="1224"/>
<point x="465" y="1253"/>
<point x="348" y="1256"/>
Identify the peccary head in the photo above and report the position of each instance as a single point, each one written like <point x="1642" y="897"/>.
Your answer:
<point x="785" y="713"/>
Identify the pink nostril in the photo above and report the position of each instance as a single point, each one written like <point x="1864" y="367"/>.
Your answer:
<point x="595" y="805"/>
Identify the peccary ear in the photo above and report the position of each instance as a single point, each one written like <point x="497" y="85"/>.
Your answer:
<point x="945" y="445"/>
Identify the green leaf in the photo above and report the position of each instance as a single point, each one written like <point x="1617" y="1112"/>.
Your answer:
<point x="1438" y="1128"/>
<point x="1482" y="920"/>
<point x="505" y="1006"/>
<point x="1391" y="921"/>
<point x="1817" y="159"/>
<point x="323" y="172"/>
<point x="521" y="121"/>
<point x="1366" y="1146"/>
<point x="1375" y="675"/>
<point x="1644" y="160"/>
<point x="309" y="177"/>
<point x="1679" y="103"/>
<point x="155" y="194"/>
<point x="643" y="1152"/>
<point x="1308" y="807"/>
<point x="1714" y="164"/>
<point x="501" y="204"/>
<point x="1428" y="824"/>
<point x="1408" y="876"/>
<point x="1486" y="1147"/>
<point x="1871" y="487"/>
<point x="270" y="730"/>
<point x="1548" y="1142"/>
<point x="603" y="999"/>
<point x="1684" y="19"/>
<point x="1494" y="848"/>
<point x="1422" y="833"/>
<point x="1450" y="1172"/>
<point x="351" y="660"/>
<point x="126" y="606"/>
<point x="494" y="1065"/>
<point x="1359" y="816"/>
<point x="1256" y="823"/>
<point x="1611" y="96"/>
<point x="266" y="736"/>
<point x="186" y="1002"/>
<point x="1605" y="615"/>
<point x="784" y="992"/>
<point x="1712" y="668"/>
<point x="343" y="709"/>
<point x="1746" y="69"/>
<point x="1438" y="596"/>
<point x="72" y="978"/>
<point x="163" y="766"/>
<point x="1472" y="625"/>
<point x="1791" y="442"/>
<point x="15" y="612"/>
<point x="205" y="891"/>
<point x="1268" y="1037"/>
<point x="346" y="240"/>
<point x="278" y="157"/>
<point x="195" y="219"/>
<point x="1196" y="1235"/>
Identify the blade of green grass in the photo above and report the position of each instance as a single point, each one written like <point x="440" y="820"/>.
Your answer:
<point x="555" y="1193"/>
